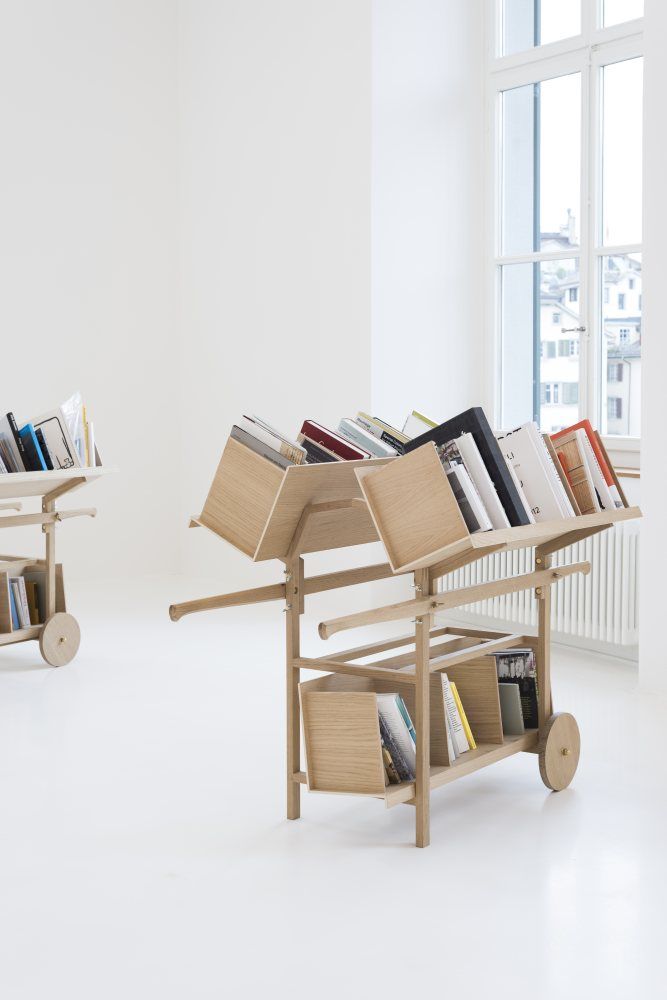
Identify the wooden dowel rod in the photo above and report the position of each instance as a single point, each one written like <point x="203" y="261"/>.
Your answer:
<point x="45" y="517"/>
<point x="347" y="578"/>
<point x="273" y="592"/>
<point x="450" y="599"/>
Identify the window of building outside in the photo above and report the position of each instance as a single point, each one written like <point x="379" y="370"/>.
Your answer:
<point x="566" y="101"/>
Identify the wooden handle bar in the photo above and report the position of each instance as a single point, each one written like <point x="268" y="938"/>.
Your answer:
<point x="450" y="599"/>
<point x="273" y="592"/>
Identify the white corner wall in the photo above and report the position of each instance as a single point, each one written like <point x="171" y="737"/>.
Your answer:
<point x="275" y="106"/>
<point x="427" y="207"/>
<point x="652" y="670"/>
<point x="87" y="258"/>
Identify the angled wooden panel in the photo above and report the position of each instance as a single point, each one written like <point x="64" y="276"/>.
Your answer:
<point x="414" y="508"/>
<point x="342" y="739"/>
<point x="477" y="684"/>
<point x="311" y="484"/>
<point x="241" y="496"/>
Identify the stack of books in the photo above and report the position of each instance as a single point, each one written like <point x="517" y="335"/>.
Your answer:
<point x="63" y="438"/>
<point x="399" y="741"/>
<point x="500" y="480"/>
<point x="517" y="688"/>
<point x="23" y="602"/>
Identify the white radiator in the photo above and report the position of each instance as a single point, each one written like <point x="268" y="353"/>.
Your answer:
<point x="598" y="611"/>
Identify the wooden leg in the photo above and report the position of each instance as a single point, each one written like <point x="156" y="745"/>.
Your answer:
<point x="294" y="597"/>
<point x="543" y="651"/>
<point x="422" y="718"/>
<point x="48" y="506"/>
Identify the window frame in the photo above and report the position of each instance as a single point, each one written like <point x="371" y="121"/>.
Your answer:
<point x="587" y="53"/>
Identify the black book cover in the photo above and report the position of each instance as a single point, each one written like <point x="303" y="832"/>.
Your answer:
<point x="389" y="439"/>
<point x="518" y="667"/>
<point x="315" y="454"/>
<point x="46" y="454"/>
<point x="19" y="442"/>
<point x="473" y="421"/>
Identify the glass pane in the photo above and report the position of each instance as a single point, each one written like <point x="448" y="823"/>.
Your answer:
<point x="541" y="157"/>
<point x="622" y="152"/>
<point x="617" y="11"/>
<point x="540" y="344"/>
<point x="621" y="350"/>
<point x="527" y="23"/>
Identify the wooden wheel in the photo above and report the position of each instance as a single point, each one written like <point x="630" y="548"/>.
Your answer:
<point x="559" y="751"/>
<point x="59" y="639"/>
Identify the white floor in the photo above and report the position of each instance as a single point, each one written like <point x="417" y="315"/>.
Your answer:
<point x="145" y="853"/>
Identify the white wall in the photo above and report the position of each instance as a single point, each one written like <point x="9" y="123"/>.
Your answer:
<point x="87" y="256"/>
<point x="427" y="219"/>
<point x="652" y="670"/>
<point x="275" y="104"/>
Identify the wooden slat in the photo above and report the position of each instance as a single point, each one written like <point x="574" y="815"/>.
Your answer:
<point x="480" y="649"/>
<point x="358" y="652"/>
<point x="20" y="635"/>
<point x="408" y="659"/>
<point x="467" y="763"/>
<point x="354" y="669"/>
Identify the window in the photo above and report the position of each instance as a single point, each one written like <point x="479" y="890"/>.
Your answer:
<point x="568" y="227"/>
<point x="615" y="373"/>
<point x="570" y="393"/>
<point x="614" y="408"/>
<point x="550" y="393"/>
<point x="623" y="335"/>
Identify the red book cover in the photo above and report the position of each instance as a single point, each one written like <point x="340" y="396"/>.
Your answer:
<point x="585" y="425"/>
<point x="321" y="435"/>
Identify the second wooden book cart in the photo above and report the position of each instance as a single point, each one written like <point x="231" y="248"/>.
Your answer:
<point x="408" y="504"/>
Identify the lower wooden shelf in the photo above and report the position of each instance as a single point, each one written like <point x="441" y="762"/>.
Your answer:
<point x="20" y="635"/>
<point x="473" y="760"/>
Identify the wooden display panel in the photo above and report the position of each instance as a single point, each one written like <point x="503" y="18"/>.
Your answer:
<point x="257" y="506"/>
<point x="413" y="507"/>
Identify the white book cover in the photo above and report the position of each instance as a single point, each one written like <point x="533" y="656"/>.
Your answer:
<point x="450" y="742"/>
<point x="62" y="449"/>
<point x="415" y="425"/>
<point x="479" y="474"/>
<point x="357" y="434"/>
<point x="604" y="493"/>
<point x="519" y="449"/>
<point x="519" y="489"/>
<point x="395" y="723"/>
<point x="21" y="608"/>
<point x="275" y="440"/>
<point x="458" y="732"/>
<point x="551" y="470"/>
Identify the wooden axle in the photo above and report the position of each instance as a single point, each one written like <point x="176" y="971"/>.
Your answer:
<point x="450" y="599"/>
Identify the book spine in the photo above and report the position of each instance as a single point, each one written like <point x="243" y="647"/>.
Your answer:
<point x="13" y="426"/>
<point x="14" y="610"/>
<point x="399" y="760"/>
<point x="46" y="454"/>
<point x="464" y="717"/>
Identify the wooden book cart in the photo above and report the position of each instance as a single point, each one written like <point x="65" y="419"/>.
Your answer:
<point x="58" y="634"/>
<point x="408" y="504"/>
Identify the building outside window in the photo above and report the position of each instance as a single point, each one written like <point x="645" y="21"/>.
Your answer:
<point x="567" y="229"/>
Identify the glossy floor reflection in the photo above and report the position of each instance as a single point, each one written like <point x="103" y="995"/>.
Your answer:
<point x="145" y="854"/>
